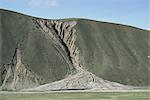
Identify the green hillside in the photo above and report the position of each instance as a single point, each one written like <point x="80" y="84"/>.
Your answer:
<point x="38" y="53"/>
<point x="114" y="52"/>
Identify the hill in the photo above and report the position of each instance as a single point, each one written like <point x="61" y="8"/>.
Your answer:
<point x="36" y="51"/>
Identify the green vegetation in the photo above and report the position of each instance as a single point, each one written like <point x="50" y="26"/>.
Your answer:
<point x="38" y="52"/>
<point x="115" y="52"/>
<point x="77" y="96"/>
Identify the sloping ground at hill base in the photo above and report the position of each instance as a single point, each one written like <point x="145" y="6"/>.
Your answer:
<point x="81" y="81"/>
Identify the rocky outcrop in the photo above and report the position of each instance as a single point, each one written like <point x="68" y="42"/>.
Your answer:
<point x="16" y="76"/>
<point x="63" y="34"/>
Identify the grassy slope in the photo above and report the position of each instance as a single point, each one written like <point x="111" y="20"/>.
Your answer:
<point x="38" y="52"/>
<point x="114" y="52"/>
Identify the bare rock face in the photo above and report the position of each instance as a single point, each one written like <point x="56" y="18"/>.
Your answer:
<point x="16" y="76"/>
<point x="63" y="34"/>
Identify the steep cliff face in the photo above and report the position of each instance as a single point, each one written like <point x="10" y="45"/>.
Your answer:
<point x="16" y="76"/>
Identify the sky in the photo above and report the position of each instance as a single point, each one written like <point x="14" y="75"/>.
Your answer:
<point x="129" y="12"/>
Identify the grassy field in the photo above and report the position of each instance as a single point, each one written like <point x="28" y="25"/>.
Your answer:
<point x="77" y="96"/>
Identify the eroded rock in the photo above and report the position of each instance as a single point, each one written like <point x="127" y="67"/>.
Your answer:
<point x="15" y="76"/>
<point x="64" y="34"/>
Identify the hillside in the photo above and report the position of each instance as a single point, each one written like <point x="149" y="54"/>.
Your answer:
<point x="35" y="52"/>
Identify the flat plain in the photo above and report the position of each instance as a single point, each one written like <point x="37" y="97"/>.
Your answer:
<point x="137" y="95"/>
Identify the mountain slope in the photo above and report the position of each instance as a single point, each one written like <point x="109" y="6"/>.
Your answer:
<point x="57" y="49"/>
<point x="115" y="52"/>
<point x="38" y="53"/>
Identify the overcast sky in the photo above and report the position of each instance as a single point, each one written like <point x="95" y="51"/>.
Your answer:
<point x="129" y="12"/>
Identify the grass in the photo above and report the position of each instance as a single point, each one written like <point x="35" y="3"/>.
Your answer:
<point x="77" y="96"/>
